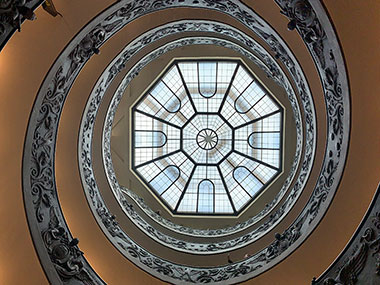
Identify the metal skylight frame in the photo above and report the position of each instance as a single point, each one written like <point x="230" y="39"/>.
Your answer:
<point x="179" y="110"/>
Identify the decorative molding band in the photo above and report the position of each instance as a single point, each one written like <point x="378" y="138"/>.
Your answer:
<point x="271" y="68"/>
<point x="12" y="14"/>
<point x="88" y="121"/>
<point x="359" y="262"/>
<point x="40" y="193"/>
<point x="90" y="114"/>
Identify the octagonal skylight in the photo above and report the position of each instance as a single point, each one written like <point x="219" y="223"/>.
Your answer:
<point x="207" y="137"/>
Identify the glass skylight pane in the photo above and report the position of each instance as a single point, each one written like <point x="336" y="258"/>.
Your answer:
<point x="239" y="198"/>
<point x="247" y="100"/>
<point x="242" y="80"/>
<point x="149" y="171"/>
<point x="172" y="79"/>
<point x="206" y="187"/>
<point x="268" y="140"/>
<point x="171" y="196"/>
<point x="247" y="180"/>
<point x="169" y="101"/>
<point x="207" y="78"/>
<point x="150" y="139"/>
<point x="271" y="157"/>
<point x="205" y="196"/>
<point x="264" y="173"/>
<point x="188" y="203"/>
<point x="165" y="179"/>
<point x="200" y="149"/>
<point x="222" y="204"/>
<point x="265" y="106"/>
<point x="225" y="71"/>
<point x="189" y="71"/>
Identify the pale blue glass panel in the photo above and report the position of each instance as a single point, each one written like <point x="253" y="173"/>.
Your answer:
<point x="165" y="179"/>
<point x="166" y="97"/>
<point x="149" y="139"/>
<point x="264" y="140"/>
<point x="247" y="180"/>
<point x="206" y="196"/>
<point x="207" y="78"/>
<point x="245" y="102"/>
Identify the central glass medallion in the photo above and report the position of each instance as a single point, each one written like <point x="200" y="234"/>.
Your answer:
<point x="206" y="137"/>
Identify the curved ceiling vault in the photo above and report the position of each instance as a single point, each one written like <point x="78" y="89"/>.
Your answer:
<point x="221" y="142"/>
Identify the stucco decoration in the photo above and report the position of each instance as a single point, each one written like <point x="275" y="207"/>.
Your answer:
<point x="12" y="14"/>
<point x="64" y="252"/>
<point x="359" y="262"/>
<point x="40" y="193"/>
<point x="267" y="64"/>
<point x="84" y="152"/>
<point x="88" y="177"/>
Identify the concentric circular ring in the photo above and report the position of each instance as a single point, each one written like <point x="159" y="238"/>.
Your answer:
<point x="310" y="137"/>
<point x="207" y="139"/>
<point x="204" y="248"/>
<point x="39" y="162"/>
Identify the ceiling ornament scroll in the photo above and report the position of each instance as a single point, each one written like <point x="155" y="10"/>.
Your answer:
<point x="359" y="262"/>
<point x="12" y="15"/>
<point x="40" y="193"/>
<point x="85" y="158"/>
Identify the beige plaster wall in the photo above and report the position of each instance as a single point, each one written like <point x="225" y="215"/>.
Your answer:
<point x="21" y="73"/>
<point x="24" y="62"/>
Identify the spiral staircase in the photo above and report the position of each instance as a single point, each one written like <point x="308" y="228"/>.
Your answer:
<point x="78" y="209"/>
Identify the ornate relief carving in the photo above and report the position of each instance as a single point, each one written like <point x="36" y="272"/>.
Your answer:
<point x="67" y="259"/>
<point x="87" y="47"/>
<point x="12" y="13"/>
<point x="360" y="259"/>
<point x="334" y="80"/>
<point x="109" y="221"/>
<point x="270" y="68"/>
<point x="50" y="106"/>
<point x="86" y="134"/>
<point x="302" y="17"/>
<point x="64" y="253"/>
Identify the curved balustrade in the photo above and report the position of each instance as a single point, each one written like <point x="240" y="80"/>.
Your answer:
<point x="12" y="14"/>
<point x="56" y="247"/>
<point x="359" y="262"/>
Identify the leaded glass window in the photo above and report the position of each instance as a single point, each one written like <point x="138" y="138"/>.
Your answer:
<point x="207" y="137"/>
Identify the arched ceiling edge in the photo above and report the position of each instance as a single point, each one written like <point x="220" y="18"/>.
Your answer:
<point x="56" y="248"/>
